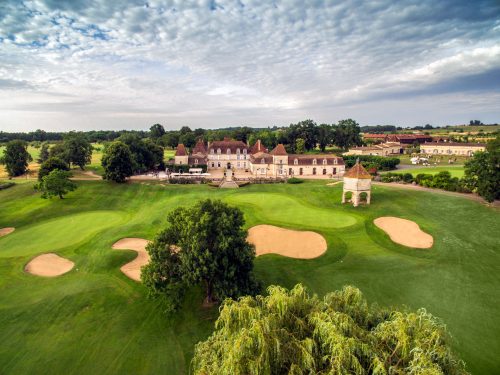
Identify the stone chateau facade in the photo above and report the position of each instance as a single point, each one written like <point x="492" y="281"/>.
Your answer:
<point x="258" y="160"/>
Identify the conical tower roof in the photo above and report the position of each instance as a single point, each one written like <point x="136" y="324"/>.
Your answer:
<point x="181" y="150"/>
<point x="279" y="150"/>
<point x="358" y="171"/>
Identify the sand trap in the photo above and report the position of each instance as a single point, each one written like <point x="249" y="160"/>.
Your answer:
<point x="133" y="268"/>
<point x="291" y="243"/>
<point x="404" y="232"/>
<point x="6" y="231"/>
<point x="49" y="265"/>
<point x="334" y="183"/>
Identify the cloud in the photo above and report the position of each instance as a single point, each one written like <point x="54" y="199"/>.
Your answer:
<point x="213" y="63"/>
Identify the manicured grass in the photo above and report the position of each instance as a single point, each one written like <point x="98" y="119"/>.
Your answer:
<point x="455" y="171"/>
<point x="95" y="320"/>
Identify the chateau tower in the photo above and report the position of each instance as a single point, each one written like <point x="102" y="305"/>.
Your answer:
<point x="357" y="181"/>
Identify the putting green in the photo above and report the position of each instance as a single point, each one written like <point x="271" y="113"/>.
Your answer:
<point x="54" y="234"/>
<point x="283" y="209"/>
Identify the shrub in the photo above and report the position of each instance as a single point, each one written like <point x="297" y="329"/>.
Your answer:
<point x="294" y="180"/>
<point x="381" y="163"/>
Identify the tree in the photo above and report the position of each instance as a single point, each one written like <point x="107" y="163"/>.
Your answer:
<point x="324" y="136"/>
<point x="171" y="139"/>
<point x="44" y="153"/>
<point x="50" y="165"/>
<point x="482" y="172"/>
<point x="188" y="139"/>
<point x="56" y="184"/>
<point x="60" y="151"/>
<point x="117" y="162"/>
<point x="16" y="158"/>
<point x="78" y="148"/>
<point x="290" y="332"/>
<point x="300" y="146"/>
<point x="347" y="133"/>
<point x="156" y="132"/>
<point x="202" y="245"/>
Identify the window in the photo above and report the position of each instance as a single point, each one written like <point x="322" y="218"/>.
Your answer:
<point x="244" y="151"/>
<point x="315" y="162"/>
<point x="213" y="164"/>
<point x="301" y="172"/>
<point x="324" y="163"/>
<point x="334" y="161"/>
<point x="296" y="162"/>
<point x="212" y="151"/>
<point x="262" y="161"/>
<point x="290" y="171"/>
<point x="228" y="151"/>
<point x="244" y="164"/>
<point x="195" y="161"/>
<point x="314" y="169"/>
<point x="281" y="161"/>
<point x="238" y="164"/>
<point x="218" y="164"/>
<point x="237" y="151"/>
<point x="324" y="170"/>
<point x="334" y="170"/>
<point x="218" y="151"/>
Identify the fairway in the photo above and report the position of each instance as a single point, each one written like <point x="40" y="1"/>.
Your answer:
<point x="455" y="171"/>
<point x="95" y="320"/>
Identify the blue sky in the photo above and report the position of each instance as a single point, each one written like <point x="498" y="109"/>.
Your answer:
<point x="99" y="64"/>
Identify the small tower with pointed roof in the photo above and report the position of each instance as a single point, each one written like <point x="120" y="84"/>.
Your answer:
<point x="357" y="181"/>
<point x="181" y="156"/>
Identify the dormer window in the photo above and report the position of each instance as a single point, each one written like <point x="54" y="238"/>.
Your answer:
<point x="219" y="151"/>
<point x="315" y="162"/>
<point x="212" y="151"/>
<point x="296" y="162"/>
<point x="238" y="151"/>
<point x="324" y="161"/>
<point x="228" y="151"/>
<point x="244" y="151"/>
<point x="195" y="161"/>
<point x="262" y="161"/>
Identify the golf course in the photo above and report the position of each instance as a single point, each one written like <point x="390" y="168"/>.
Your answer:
<point x="93" y="319"/>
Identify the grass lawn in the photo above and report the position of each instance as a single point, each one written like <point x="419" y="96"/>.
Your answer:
<point x="455" y="170"/>
<point x="94" y="320"/>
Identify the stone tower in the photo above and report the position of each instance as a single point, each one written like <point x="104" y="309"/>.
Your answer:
<point x="357" y="181"/>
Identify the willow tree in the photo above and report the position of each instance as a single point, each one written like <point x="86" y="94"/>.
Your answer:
<point x="202" y="245"/>
<point x="291" y="332"/>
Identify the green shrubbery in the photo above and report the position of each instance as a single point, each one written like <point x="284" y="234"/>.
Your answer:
<point x="294" y="180"/>
<point x="371" y="162"/>
<point x="441" y="180"/>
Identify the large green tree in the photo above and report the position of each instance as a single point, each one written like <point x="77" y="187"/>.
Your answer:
<point x="52" y="164"/>
<point x="482" y="172"/>
<point x="78" y="148"/>
<point x="44" y="153"/>
<point x="156" y="132"/>
<point x="291" y="332"/>
<point x="202" y="245"/>
<point x="16" y="158"/>
<point x="117" y="162"/>
<point x="347" y="134"/>
<point x="146" y="154"/>
<point x="56" y="183"/>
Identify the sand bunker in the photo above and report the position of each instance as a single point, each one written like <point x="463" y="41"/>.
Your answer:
<point x="6" y="231"/>
<point x="133" y="268"/>
<point x="49" y="265"/>
<point x="291" y="243"/>
<point x="404" y="232"/>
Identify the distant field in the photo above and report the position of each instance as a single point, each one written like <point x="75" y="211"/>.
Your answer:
<point x="455" y="171"/>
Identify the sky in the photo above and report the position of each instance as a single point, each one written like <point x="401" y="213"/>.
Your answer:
<point x="101" y="64"/>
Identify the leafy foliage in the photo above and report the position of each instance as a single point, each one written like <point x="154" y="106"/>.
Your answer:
<point x="117" y="162"/>
<point x="482" y="172"/>
<point x="51" y="164"/>
<point x="146" y="154"/>
<point x="372" y="161"/>
<point x="290" y="332"/>
<point x="56" y="183"/>
<point x="78" y="149"/>
<point x="16" y="158"/>
<point x="44" y="153"/>
<point x="202" y="245"/>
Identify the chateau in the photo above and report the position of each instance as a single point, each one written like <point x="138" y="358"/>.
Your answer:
<point x="257" y="160"/>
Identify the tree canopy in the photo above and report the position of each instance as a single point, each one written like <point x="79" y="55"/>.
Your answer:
<point x="482" y="172"/>
<point x="204" y="245"/>
<point x="51" y="164"/>
<point x="117" y="162"/>
<point x="56" y="183"/>
<point x="78" y="149"/>
<point x="16" y="158"/>
<point x="291" y="332"/>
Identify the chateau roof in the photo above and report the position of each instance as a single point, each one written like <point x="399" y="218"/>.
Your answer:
<point x="257" y="158"/>
<point x="308" y="159"/>
<point x="200" y="147"/>
<point x="258" y="147"/>
<point x="181" y="150"/>
<point x="226" y="144"/>
<point x="376" y="136"/>
<point x="279" y="150"/>
<point x="358" y="171"/>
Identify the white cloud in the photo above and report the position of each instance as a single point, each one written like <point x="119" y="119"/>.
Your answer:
<point x="224" y="63"/>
